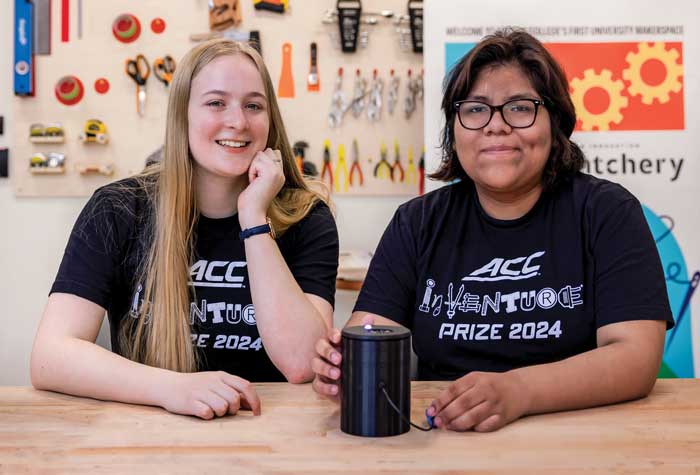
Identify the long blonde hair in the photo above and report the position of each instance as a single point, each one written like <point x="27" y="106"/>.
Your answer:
<point x="161" y="336"/>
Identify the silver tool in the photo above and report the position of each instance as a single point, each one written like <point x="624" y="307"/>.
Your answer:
<point x="393" y="93"/>
<point x="374" y="106"/>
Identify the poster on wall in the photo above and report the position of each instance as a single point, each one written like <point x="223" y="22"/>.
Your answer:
<point x="633" y="71"/>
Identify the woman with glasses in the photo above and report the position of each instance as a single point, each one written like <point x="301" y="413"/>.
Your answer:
<point x="530" y="285"/>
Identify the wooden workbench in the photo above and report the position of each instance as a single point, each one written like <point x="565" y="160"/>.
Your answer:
<point x="298" y="433"/>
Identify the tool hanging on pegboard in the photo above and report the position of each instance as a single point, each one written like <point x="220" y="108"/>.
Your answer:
<point x="313" y="82"/>
<point x="409" y="103"/>
<point x="397" y="173"/>
<point x="356" y="168"/>
<point x="374" y="105"/>
<point x="224" y="14"/>
<point x="65" y="20"/>
<point x="410" y="27"/>
<point x="285" y="87"/>
<point x="276" y="6"/>
<point x="299" y="151"/>
<point x="327" y="170"/>
<point x="349" y="12"/>
<point x="415" y="14"/>
<point x="414" y="92"/>
<point x="341" y="177"/>
<point x="164" y="68"/>
<point x="411" y="174"/>
<point x="138" y="70"/>
<point x="382" y="170"/>
<point x="24" y="49"/>
<point x="80" y="19"/>
<point x="359" y="93"/>
<point x="393" y="93"/>
<point x="41" y="23"/>
<point x="348" y="15"/>
<point x="339" y="104"/>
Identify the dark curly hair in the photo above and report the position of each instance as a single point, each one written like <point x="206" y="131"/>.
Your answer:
<point x="513" y="46"/>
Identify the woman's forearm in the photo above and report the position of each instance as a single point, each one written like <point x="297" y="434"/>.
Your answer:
<point x="288" y="322"/>
<point x="619" y="371"/>
<point x="78" y="367"/>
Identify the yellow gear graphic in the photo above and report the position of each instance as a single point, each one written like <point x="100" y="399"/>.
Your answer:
<point x="660" y="91"/>
<point x="614" y="89"/>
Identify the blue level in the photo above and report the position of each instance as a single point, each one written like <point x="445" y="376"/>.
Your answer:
<point x="24" y="50"/>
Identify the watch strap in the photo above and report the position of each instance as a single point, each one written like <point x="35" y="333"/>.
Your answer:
<point x="255" y="230"/>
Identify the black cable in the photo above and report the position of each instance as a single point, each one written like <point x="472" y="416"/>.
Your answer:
<point x="398" y="411"/>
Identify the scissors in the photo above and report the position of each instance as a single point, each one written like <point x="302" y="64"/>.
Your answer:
<point x="139" y="70"/>
<point x="164" y="68"/>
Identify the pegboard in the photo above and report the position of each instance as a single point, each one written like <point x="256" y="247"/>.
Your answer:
<point x="132" y="138"/>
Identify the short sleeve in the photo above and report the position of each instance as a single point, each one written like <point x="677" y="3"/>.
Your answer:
<point x="90" y="264"/>
<point x="629" y="279"/>
<point x="314" y="259"/>
<point x="390" y="285"/>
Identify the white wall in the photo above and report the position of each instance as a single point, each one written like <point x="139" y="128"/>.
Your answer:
<point x="33" y="234"/>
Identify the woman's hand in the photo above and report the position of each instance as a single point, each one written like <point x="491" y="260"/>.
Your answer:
<point x="209" y="394"/>
<point x="266" y="179"/>
<point x="326" y="366"/>
<point x="483" y="402"/>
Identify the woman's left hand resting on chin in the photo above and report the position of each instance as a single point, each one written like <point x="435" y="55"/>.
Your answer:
<point x="266" y="179"/>
<point x="290" y="323"/>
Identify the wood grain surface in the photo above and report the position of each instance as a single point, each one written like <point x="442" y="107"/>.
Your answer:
<point x="299" y="433"/>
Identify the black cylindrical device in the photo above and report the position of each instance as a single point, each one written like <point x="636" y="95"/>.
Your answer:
<point x="375" y="357"/>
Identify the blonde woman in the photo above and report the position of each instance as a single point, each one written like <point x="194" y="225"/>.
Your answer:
<point x="216" y="267"/>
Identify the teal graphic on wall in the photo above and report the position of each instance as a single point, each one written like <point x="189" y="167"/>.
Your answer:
<point x="678" y="355"/>
<point x="454" y="52"/>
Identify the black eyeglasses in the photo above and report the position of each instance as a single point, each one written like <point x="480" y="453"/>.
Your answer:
<point x="518" y="113"/>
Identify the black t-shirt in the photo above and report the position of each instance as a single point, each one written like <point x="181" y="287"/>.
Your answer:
<point x="108" y="244"/>
<point x="482" y="294"/>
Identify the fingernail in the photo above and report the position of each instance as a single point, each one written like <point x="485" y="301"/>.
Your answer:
<point x="438" y="422"/>
<point x="334" y="389"/>
<point x="335" y="357"/>
<point x="335" y="373"/>
<point x="431" y="411"/>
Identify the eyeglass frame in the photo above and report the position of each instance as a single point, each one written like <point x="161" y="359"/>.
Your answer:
<point x="493" y="109"/>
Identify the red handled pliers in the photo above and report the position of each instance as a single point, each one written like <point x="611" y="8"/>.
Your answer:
<point x="356" y="164"/>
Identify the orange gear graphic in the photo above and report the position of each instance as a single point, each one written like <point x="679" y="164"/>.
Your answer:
<point x="614" y="89"/>
<point x="647" y="91"/>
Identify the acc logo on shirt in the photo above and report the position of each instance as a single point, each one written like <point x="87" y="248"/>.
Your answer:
<point x="218" y="274"/>
<point x="500" y="268"/>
